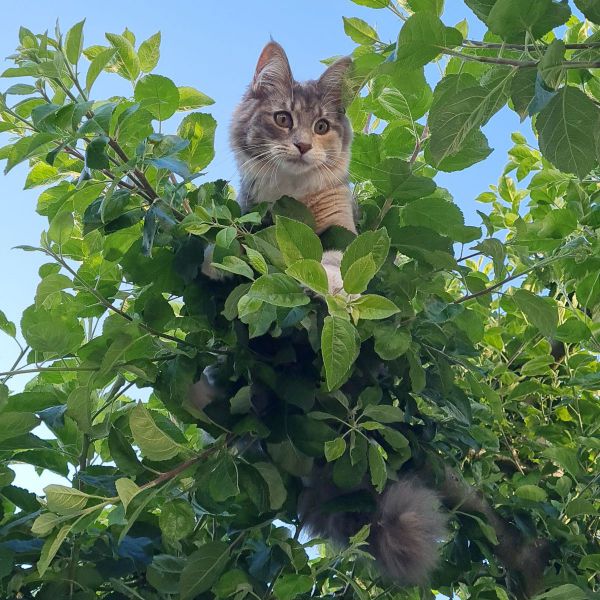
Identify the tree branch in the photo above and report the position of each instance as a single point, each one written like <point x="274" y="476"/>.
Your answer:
<point x="522" y="64"/>
<point x="524" y="47"/>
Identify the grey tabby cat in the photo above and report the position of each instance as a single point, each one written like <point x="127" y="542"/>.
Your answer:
<point x="293" y="139"/>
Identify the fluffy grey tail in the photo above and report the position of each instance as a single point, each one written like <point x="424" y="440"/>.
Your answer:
<point x="406" y="531"/>
<point x="407" y="525"/>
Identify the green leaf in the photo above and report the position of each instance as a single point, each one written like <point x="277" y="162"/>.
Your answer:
<point x="51" y="547"/>
<point x="297" y="240"/>
<point x="291" y="585"/>
<point x="149" y="52"/>
<point x="441" y="216"/>
<point x="127" y="59"/>
<point x="51" y="330"/>
<point x="233" y="264"/>
<point x="158" y="95"/>
<point x="487" y="530"/>
<point x="199" y="130"/>
<point x="7" y="326"/>
<point x="334" y="449"/>
<point x="588" y="290"/>
<point x="45" y="523"/>
<point x="391" y="342"/>
<point x="436" y="6"/>
<point x="395" y="439"/>
<point x="510" y="19"/>
<point x="377" y="466"/>
<point x="123" y="454"/>
<point x="591" y="562"/>
<point x="339" y="346"/>
<point x="394" y="178"/>
<point x="496" y="251"/>
<point x="74" y="42"/>
<point x="191" y="98"/>
<point x="384" y="413"/>
<point x="41" y="174"/>
<point x="573" y="331"/>
<point x="359" y="274"/>
<point x="278" y="289"/>
<point x="590" y="9"/>
<point x="531" y="492"/>
<point x="375" y="244"/>
<point x="95" y="153"/>
<point x="257" y="260"/>
<point x="372" y="3"/>
<point x="563" y="127"/>
<point x="224" y="482"/>
<point x="360" y="31"/>
<point x="416" y="372"/>
<point x="540" y="312"/>
<point x="203" y="569"/>
<point x="422" y="39"/>
<point x="373" y="307"/>
<point x="460" y="107"/>
<point x="567" y="591"/>
<point x="177" y="519"/>
<point x="565" y="458"/>
<point x="13" y="424"/>
<point x="64" y="500"/>
<point x="310" y="273"/>
<point x="98" y="64"/>
<point x="153" y="442"/>
<point x="127" y="490"/>
<point x="277" y="490"/>
<point x="550" y="66"/>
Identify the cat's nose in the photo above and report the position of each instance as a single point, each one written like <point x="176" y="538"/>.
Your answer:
<point x="303" y="147"/>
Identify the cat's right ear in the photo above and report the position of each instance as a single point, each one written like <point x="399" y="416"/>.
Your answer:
<point x="273" y="73"/>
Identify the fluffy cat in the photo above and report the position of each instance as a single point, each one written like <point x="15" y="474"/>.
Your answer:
<point x="293" y="139"/>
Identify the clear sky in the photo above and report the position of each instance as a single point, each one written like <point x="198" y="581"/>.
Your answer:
<point x="213" y="46"/>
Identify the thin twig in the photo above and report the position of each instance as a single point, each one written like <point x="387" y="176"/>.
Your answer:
<point x="8" y="374"/>
<point x="522" y="64"/>
<point x="524" y="47"/>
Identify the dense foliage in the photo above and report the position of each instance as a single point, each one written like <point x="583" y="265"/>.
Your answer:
<point x="469" y="354"/>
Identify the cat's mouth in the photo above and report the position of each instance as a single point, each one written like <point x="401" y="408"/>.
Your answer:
<point x="301" y="161"/>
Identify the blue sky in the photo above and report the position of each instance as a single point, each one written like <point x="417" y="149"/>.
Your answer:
<point x="211" y="45"/>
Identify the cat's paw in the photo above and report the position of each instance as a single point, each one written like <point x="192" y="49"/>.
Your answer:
<point x="331" y="263"/>
<point x="208" y="269"/>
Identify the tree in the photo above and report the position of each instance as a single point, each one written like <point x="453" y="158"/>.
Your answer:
<point x="469" y="355"/>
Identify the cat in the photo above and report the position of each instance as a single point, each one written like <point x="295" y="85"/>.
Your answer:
<point x="293" y="139"/>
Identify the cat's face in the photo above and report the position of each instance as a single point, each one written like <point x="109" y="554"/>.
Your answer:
<point x="284" y="130"/>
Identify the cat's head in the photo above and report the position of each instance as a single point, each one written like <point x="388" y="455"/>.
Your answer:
<point x="283" y="128"/>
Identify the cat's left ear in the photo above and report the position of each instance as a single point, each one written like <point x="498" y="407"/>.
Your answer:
<point x="335" y="82"/>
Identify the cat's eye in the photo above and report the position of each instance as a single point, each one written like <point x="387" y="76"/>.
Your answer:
<point x="322" y="126"/>
<point x="283" y="119"/>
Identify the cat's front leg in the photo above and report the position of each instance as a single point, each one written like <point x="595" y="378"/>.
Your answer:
<point x="331" y="262"/>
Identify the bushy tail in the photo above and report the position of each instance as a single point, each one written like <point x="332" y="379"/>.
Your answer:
<point x="407" y="525"/>
<point x="406" y="531"/>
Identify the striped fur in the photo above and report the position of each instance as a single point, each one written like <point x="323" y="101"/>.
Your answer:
<point x="270" y="163"/>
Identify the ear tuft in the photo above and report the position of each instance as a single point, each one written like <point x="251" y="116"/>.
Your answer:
<point x="273" y="73"/>
<point x="335" y="82"/>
